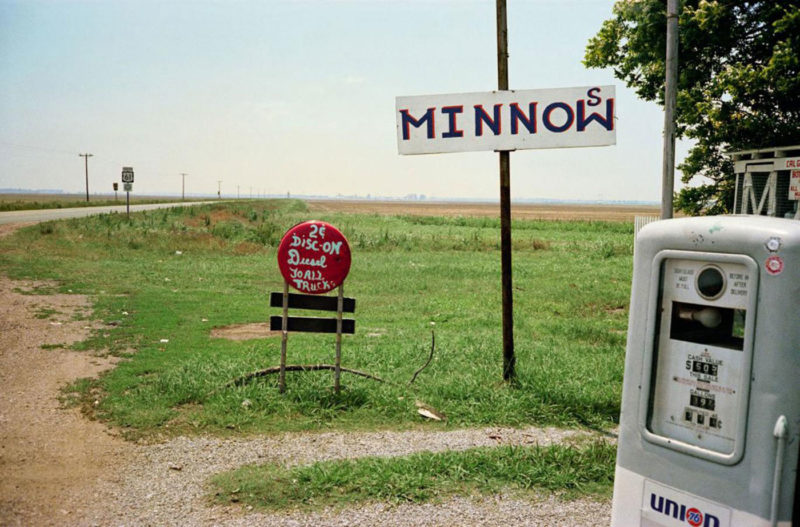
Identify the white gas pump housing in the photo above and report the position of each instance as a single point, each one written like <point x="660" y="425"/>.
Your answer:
<point x="711" y="398"/>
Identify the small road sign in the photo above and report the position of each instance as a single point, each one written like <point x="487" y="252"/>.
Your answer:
<point x="127" y="175"/>
<point x="314" y="257"/>
<point x="128" y="187"/>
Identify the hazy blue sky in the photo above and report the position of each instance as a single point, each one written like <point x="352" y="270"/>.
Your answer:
<point x="294" y="96"/>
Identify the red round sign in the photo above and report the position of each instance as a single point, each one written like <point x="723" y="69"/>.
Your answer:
<point x="314" y="257"/>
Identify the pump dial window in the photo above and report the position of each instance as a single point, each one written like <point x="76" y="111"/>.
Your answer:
<point x="710" y="282"/>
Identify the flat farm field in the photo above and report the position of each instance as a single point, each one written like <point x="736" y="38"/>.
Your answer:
<point x="519" y="211"/>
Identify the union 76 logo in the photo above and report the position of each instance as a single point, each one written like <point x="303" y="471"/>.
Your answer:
<point x="694" y="517"/>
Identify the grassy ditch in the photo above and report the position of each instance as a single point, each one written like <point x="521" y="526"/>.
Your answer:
<point x="12" y="202"/>
<point x="422" y="477"/>
<point x="163" y="279"/>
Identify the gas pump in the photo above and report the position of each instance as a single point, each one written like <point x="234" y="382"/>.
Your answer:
<point x="711" y="398"/>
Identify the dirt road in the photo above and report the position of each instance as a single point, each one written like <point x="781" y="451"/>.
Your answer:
<point x="52" y="460"/>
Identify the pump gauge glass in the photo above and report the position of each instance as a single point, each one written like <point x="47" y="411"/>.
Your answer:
<point x="710" y="282"/>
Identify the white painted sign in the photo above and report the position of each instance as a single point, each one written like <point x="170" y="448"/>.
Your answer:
<point x="127" y="174"/>
<point x="790" y="163"/>
<point x="794" y="184"/>
<point x="506" y="120"/>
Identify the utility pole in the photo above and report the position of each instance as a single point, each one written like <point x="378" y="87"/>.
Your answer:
<point x="219" y="189"/>
<point x="86" y="164"/>
<point x="670" y="95"/>
<point x="509" y="359"/>
<point x="183" y="186"/>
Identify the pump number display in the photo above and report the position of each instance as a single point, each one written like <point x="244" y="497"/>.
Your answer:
<point x="702" y="401"/>
<point x="701" y="367"/>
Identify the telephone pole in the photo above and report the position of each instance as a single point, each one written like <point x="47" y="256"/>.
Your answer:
<point x="183" y="186"/>
<point x="86" y="164"/>
<point x="219" y="189"/>
<point x="670" y="96"/>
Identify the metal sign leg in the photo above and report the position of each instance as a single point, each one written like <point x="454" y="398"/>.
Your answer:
<point x="284" y="337"/>
<point x="337" y="369"/>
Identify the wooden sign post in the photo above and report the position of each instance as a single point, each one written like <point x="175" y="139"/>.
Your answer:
<point x="314" y="258"/>
<point x="509" y="360"/>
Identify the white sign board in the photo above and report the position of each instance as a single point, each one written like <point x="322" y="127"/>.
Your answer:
<point x="790" y="163"/>
<point x="506" y="120"/>
<point x="127" y="174"/>
<point x="794" y="184"/>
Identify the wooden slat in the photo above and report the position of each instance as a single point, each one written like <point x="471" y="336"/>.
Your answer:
<point x="316" y="302"/>
<point x="312" y="324"/>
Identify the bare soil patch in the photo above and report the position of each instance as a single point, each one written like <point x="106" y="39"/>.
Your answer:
<point x="52" y="460"/>
<point x="255" y="330"/>
<point x="9" y="228"/>
<point x="213" y="217"/>
<point x="527" y="211"/>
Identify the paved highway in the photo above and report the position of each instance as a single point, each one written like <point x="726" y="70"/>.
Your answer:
<point x="34" y="216"/>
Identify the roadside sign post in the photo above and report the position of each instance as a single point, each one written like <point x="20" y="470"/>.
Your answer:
<point x="284" y="336"/>
<point x="504" y="121"/>
<point x="128" y="189"/>
<point x="116" y="188"/>
<point x="127" y="181"/>
<point x="314" y="258"/>
<point x="509" y="360"/>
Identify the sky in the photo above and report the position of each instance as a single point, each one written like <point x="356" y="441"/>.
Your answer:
<point x="287" y="96"/>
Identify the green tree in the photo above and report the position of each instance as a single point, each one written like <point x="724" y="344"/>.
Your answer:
<point x="738" y="85"/>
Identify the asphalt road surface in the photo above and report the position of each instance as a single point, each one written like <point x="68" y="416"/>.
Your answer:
<point x="34" y="216"/>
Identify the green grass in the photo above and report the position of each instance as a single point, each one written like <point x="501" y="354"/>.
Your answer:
<point x="179" y="272"/>
<point x="12" y="202"/>
<point x="45" y="313"/>
<point x="422" y="477"/>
